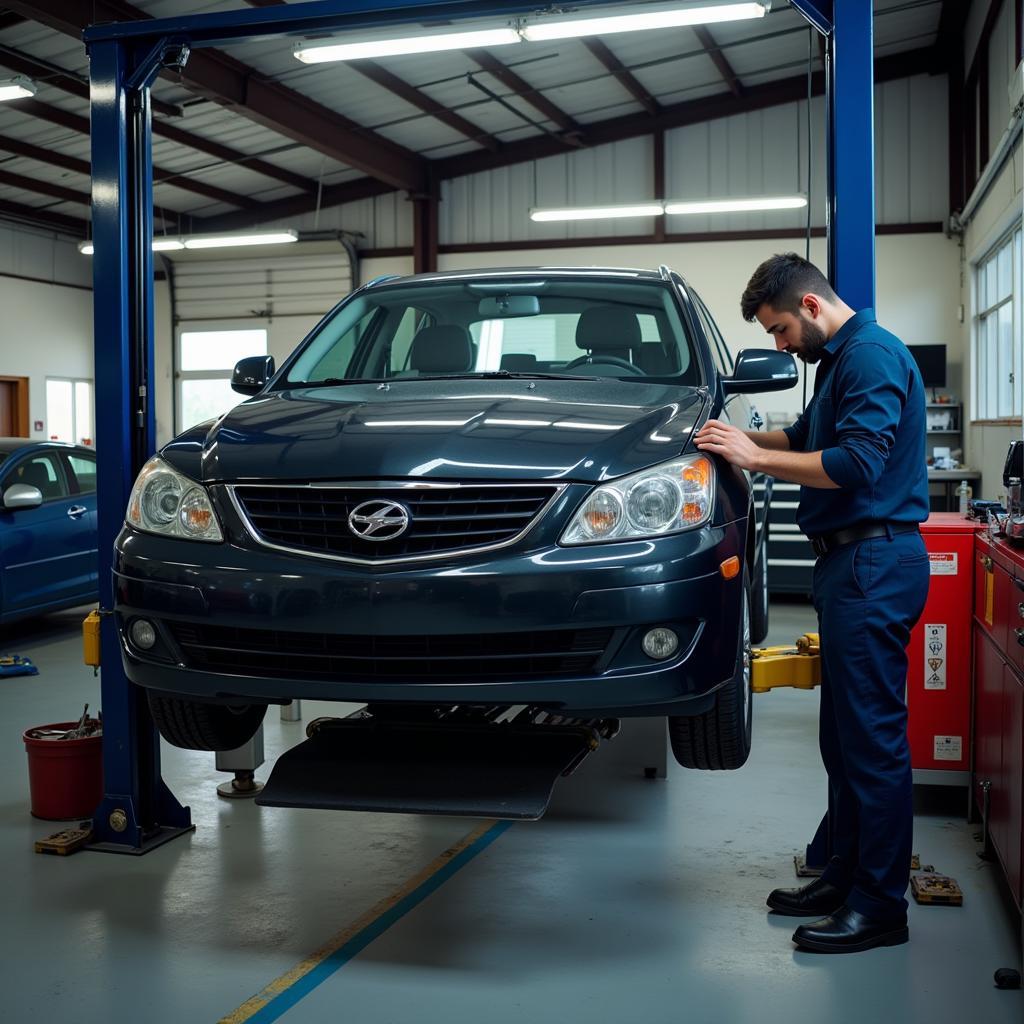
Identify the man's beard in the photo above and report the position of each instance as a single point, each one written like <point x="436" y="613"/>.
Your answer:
<point x="812" y="341"/>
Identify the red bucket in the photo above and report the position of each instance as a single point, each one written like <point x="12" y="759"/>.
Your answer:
<point x="65" y="777"/>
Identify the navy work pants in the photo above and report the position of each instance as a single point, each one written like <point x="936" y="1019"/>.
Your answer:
<point x="868" y="596"/>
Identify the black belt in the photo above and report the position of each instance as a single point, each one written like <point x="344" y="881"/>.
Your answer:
<point x="826" y="542"/>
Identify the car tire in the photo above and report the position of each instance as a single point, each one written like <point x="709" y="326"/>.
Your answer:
<point x="759" y="595"/>
<point x="193" y="725"/>
<point x="719" y="739"/>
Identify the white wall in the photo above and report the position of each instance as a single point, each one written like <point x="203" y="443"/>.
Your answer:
<point x="45" y="330"/>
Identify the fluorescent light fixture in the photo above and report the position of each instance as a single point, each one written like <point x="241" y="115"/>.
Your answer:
<point x="170" y="243"/>
<point x="660" y="17"/>
<point x="407" y="44"/>
<point x="252" y="238"/>
<point x="735" y="205"/>
<point x="17" y="88"/>
<point x="598" y="212"/>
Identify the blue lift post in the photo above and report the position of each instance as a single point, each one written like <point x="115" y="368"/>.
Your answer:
<point x="138" y="811"/>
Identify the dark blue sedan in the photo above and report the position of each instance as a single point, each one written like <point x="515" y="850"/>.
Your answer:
<point x="47" y="527"/>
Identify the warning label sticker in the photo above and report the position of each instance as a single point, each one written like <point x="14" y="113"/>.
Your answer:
<point x="935" y="656"/>
<point x="942" y="563"/>
<point x="949" y="748"/>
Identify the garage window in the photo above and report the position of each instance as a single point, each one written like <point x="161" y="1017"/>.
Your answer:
<point x="998" y="326"/>
<point x="205" y="362"/>
<point x="69" y="410"/>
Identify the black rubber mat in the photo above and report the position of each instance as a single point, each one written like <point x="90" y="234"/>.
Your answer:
<point x="486" y="770"/>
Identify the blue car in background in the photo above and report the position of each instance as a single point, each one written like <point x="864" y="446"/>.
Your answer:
<point x="47" y="527"/>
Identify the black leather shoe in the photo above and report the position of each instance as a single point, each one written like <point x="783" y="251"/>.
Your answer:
<point x="846" y="931"/>
<point x="816" y="899"/>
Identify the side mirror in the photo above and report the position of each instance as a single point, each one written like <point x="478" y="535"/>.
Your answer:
<point x="22" y="496"/>
<point x="250" y="375"/>
<point x="761" y="370"/>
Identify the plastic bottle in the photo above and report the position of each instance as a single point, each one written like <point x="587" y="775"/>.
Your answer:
<point x="963" y="493"/>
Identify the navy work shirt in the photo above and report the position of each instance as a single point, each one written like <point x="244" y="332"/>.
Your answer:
<point x="867" y="418"/>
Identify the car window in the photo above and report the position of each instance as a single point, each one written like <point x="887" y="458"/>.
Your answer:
<point x="83" y="473"/>
<point x="719" y="349"/>
<point x="43" y="471"/>
<point x="592" y="327"/>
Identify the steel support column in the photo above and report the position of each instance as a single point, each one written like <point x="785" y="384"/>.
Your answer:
<point x="138" y="811"/>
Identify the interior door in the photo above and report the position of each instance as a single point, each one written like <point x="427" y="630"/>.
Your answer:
<point x="45" y="556"/>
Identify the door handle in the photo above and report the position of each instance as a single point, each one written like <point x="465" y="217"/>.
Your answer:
<point x="755" y="420"/>
<point x="77" y="511"/>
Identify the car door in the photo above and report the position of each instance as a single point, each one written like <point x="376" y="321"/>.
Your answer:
<point x="44" y="551"/>
<point x="80" y="468"/>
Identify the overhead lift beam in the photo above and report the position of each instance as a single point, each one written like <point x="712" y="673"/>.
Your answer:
<point x="138" y="811"/>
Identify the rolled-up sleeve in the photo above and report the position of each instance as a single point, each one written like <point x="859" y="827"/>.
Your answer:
<point x="871" y="392"/>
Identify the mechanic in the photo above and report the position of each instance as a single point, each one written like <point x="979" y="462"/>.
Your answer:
<point x="858" y="452"/>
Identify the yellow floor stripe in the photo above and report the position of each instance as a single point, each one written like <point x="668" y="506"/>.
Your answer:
<point x="252" y="1006"/>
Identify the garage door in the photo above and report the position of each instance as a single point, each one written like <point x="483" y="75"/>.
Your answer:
<point x="259" y="288"/>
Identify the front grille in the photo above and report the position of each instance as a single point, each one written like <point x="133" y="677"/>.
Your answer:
<point x="470" y="658"/>
<point x="442" y="519"/>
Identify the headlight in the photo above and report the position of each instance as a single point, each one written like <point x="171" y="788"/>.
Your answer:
<point x="669" y="498"/>
<point x="165" y="502"/>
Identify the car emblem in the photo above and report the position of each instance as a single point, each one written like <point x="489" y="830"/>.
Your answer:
<point x="378" y="520"/>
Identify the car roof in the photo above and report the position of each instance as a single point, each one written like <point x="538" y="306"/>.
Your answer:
<point x="14" y="444"/>
<point x="621" y="273"/>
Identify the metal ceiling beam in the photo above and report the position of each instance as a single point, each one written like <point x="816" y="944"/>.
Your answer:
<point x="45" y="188"/>
<point x="77" y="123"/>
<point x="295" y="206"/>
<point x="707" y="40"/>
<point x="526" y="92"/>
<point x="626" y="77"/>
<point x="55" y="221"/>
<point x="403" y="90"/>
<point x="708" y="108"/>
<point x="50" y="74"/>
<point x="246" y="91"/>
<point x="60" y="78"/>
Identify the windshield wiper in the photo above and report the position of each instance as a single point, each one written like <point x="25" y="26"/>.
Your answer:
<point x="503" y="375"/>
<point x="334" y="382"/>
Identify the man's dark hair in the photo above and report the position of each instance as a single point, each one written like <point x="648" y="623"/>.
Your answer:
<point x="782" y="281"/>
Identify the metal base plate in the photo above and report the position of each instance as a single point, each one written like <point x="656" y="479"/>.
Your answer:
<point x="151" y="842"/>
<point x="230" y="791"/>
<point x="483" y="769"/>
<point x="802" y="870"/>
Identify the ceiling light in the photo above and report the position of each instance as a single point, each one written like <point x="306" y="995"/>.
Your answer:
<point x="252" y="238"/>
<point x="735" y="205"/>
<point x="168" y="243"/>
<point x="598" y="212"/>
<point x="17" y="88"/>
<point x="662" y="16"/>
<point x="408" y="44"/>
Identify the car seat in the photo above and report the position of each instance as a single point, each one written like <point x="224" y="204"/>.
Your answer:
<point x="34" y="474"/>
<point x="608" y="330"/>
<point x="443" y="348"/>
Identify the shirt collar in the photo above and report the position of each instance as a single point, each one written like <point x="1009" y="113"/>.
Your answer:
<point x="854" y="324"/>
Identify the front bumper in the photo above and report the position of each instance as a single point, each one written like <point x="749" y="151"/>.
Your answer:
<point x="625" y="588"/>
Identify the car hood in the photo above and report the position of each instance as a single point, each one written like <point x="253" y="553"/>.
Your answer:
<point x="481" y="429"/>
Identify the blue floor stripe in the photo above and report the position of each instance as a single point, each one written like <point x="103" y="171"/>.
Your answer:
<point x="282" y="1003"/>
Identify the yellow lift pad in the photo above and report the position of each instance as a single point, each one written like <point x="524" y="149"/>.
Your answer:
<point x="799" y="666"/>
<point x="91" y="639"/>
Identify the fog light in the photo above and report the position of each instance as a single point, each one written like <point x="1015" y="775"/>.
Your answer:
<point x="660" y="643"/>
<point x="143" y="634"/>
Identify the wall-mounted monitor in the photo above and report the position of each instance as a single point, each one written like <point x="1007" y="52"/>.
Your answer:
<point x="931" y="361"/>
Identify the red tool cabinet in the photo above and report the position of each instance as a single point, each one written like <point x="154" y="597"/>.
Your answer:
<point x="939" y="670"/>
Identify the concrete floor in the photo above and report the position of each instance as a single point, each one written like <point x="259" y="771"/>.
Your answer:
<point x="632" y="900"/>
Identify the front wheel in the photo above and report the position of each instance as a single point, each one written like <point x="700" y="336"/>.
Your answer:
<point x="193" y="725"/>
<point x="719" y="739"/>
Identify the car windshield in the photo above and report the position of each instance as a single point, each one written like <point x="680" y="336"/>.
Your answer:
<point x="477" y="326"/>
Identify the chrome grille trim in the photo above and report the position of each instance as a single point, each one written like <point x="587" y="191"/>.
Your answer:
<point x="393" y="485"/>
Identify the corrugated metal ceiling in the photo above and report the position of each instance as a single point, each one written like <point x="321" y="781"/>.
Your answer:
<point x="672" y="66"/>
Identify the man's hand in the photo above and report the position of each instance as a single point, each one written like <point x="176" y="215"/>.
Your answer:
<point x="731" y="443"/>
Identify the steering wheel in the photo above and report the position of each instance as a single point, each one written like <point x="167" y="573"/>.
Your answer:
<point x="625" y="364"/>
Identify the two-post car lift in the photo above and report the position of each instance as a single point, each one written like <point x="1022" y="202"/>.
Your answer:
<point x="138" y="811"/>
